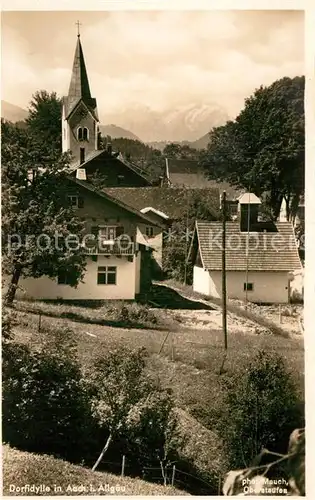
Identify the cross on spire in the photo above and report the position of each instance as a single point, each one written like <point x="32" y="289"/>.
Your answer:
<point x="78" y="25"/>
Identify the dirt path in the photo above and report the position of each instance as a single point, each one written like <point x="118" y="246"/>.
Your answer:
<point x="254" y="319"/>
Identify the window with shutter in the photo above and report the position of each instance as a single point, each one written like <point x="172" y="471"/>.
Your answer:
<point x="95" y="232"/>
<point x="120" y="230"/>
<point x="80" y="202"/>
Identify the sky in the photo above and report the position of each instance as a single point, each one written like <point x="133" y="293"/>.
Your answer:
<point x="163" y="75"/>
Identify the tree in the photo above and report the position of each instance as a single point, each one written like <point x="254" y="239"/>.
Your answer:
<point x="48" y="382"/>
<point x="180" y="151"/>
<point x="44" y="120"/>
<point x="178" y="239"/>
<point x="262" y="150"/>
<point x="254" y="416"/>
<point x="129" y="404"/>
<point x="37" y="221"/>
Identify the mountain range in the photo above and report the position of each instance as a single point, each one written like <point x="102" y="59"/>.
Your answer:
<point x="14" y="113"/>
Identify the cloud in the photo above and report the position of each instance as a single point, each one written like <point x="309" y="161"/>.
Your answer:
<point x="163" y="73"/>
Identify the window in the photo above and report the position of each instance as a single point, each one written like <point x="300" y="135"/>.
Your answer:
<point x="233" y="208"/>
<point x="85" y="134"/>
<point x="120" y="179"/>
<point x="249" y="287"/>
<point x="76" y="201"/>
<point x="107" y="232"/>
<point x="106" y="275"/>
<point x="64" y="278"/>
<point x="82" y="155"/>
<point x="80" y="134"/>
<point x="149" y="231"/>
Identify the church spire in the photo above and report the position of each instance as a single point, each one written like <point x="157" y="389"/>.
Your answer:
<point x="79" y="85"/>
<point x="79" y="112"/>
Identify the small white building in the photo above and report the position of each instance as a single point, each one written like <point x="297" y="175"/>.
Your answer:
<point x="298" y="218"/>
<point x="259" y="257"/>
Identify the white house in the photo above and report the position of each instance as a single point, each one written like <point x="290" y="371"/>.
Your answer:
<point x="259" y="257"/>
<point x="117" y="254"/>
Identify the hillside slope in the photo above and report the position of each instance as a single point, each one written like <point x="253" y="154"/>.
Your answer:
<point x="12" y="113"/>
<point x="116" y="132"/>
<point x="57" y="477"/>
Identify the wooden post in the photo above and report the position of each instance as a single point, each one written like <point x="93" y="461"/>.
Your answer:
<point x="280" y="317"/>
<point x="173" y="475"/>
<point x="165" y="339"/>
<point x="223" y="207"/>
<point x="123" y="466"/>
<point x="247" y="252"/>
<point x="172" y="345"/>
<point x="39" y="321"/>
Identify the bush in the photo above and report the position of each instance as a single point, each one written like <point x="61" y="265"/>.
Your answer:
<point x="45" y="405"/>
<point x="8" y="321"/>
<point x="260" y="411"/>
<point x="133" y="411"/>
<point x="130" y="314"/>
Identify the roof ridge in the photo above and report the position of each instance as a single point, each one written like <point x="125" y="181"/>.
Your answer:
<point x="107" y="196"/>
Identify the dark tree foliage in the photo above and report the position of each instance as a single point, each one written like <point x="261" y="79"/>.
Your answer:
<point x="262" y="150"/>
<point x="179" y="237"/>
<point x="180" y="151"/>
<point x="44" y="120"/>
<point x="262" y="407"/>
<point x="45" y="404"/>
<point x="35" y="210"/>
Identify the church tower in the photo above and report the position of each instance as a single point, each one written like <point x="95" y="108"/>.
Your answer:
<point x="79" y="113"/>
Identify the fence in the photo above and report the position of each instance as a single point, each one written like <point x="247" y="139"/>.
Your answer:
<point x="170" y="476"/>
<point x="175" y="477"/>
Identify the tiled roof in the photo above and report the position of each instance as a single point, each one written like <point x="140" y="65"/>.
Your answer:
<point x="92" y="189"/>
<point x="267" y="251"/>
<point x="115" y="157"/>
<point x="189" y="173"/>
<point x="171" y="201"/>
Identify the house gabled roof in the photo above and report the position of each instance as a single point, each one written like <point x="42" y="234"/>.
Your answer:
<point x="89" y="157"/>
<point x="92" y="189"/>
<point x="267" y="251"/>
<point x="172" y="202"/>
<point x="249" y="199"/>
<point x="114" y="157"/>
<point x="182" y="172"/>
<point x="155" y="211"/>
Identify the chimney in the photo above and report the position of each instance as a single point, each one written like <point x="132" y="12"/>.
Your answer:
<point x="249" y="209"/>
